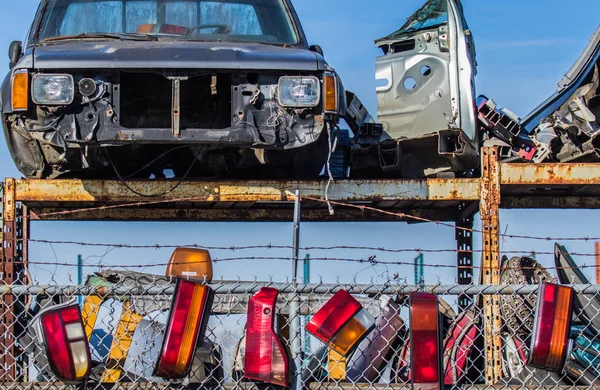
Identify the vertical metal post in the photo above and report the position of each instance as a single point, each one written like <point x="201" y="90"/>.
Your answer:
<point x="464" y="251"/>
<point x="305" y="319"/>
<point x="8" y="369"/>
<point x="79" y="276"/>
<point x="294" y="315"/>
<point x="490" y="268"/>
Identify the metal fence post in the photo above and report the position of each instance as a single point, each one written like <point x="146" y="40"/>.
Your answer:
<point x="294" y="313"/>
<point x="490" y="264"/>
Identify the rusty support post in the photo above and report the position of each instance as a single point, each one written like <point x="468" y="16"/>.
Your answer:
<point x="489" y="206"/>
<point x="8" y="370"/>
<point x="464" y="254"/>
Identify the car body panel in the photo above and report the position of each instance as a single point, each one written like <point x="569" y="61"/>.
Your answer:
<point x="167" y="54"/>
<point x="428" y="70"/>
<point x="572" y="81"/>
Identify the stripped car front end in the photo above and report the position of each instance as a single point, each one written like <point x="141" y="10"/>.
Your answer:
<point x="197" y="87"/>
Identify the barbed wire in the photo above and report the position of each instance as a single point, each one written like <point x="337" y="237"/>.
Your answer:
<point x="400" y="215"/>
<point x="366" y="260"/>
<point x="290" y="247"/>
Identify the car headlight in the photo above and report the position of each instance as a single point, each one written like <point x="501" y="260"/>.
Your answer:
<point x="52" y="89"/>
<point x="299" y="91"/>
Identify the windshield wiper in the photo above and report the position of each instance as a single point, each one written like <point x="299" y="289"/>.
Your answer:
<point x="120" y="36"/>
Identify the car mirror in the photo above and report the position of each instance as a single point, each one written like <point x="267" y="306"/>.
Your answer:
<point x="317" y="49"/>
<point x="14" y="52"/>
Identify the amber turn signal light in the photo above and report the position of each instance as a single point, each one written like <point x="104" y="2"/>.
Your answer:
<point x="330" y="93"/>
<point x="190" y="263"/>
<point x="20" y="91"/>
<point x="550" y="338"/>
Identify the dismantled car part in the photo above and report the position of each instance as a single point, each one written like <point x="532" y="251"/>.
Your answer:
<point x="517" y="309"/>
<point x="374" y="353"/>
<point x="186" y="327"/>
<point x="506" y="126"/>
<point x="232" y="90"/>
<point x="459" y="345"/>
<point x="552" y="327"/>
<point x="426" y="342"/>
<point x="265" y="357"/>
<point x="427" y="86"/>
<point x="341" y="323"/>
<point x="586" y="307"/>
<point x="59" y="331"/>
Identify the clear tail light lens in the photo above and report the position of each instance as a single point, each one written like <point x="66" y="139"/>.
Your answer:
<point x="66" y="345"/>
<point x="341" y="323"/>
<point x="265" y="358"/>
<point x="425" y="340"/>
<point x="188" y="319"/>
<point x="550" y="337"/>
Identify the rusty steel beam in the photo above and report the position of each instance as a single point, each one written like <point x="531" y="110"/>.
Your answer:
<point x="490" y="268"/>
<point x="449" y="213"/>
<point x="550" y="202"/>
<point x="107" y="191"/>
<point x="550" y="174"/>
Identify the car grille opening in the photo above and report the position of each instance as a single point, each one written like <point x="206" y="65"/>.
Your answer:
<point x="146" y="102"/>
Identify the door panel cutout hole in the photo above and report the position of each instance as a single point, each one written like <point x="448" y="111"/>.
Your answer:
<point x="426" y="70"/>
<point x="410" y="83"/>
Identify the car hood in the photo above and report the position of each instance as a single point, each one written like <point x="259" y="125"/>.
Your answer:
<point x="173" y="54"/>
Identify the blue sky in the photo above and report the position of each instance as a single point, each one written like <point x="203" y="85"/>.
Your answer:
<point x="523" y="46"/>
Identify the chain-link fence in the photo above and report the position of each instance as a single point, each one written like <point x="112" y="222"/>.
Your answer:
<point x="126" y="314"/>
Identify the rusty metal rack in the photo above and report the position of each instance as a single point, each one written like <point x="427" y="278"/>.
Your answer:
<point x="457" y="200"/>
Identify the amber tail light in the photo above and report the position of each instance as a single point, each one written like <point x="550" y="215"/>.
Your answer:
<point x="550" y="337"/>
<point x="265" y="358"/>
<point x="188" y="319"/>
<point x="341" y="323"/>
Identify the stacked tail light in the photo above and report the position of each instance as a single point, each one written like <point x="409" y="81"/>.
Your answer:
<point x="67" y="348"/>
<point x="265" y="358"/>
<point x="550" y="338"/>
<point x="425" y="341"/>
<point x="341" y="323"/>
<point x="188" y="319"/>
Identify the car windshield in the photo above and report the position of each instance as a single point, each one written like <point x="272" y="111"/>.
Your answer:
<point x="266" y="21"/>
<point x="434" y="13"/>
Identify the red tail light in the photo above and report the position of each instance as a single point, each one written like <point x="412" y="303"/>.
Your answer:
<point x="185" y="330"/>
<point x="550" y="338"/>
<point x="67" y="347"/>
<point x="425" y="341"/>
<point x="341" y="323"/>
<point x="265" y="358"/>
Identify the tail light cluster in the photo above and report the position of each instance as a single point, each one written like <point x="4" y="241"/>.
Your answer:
<point x="550" y="337"/>
<point x="265" y="358"/>
<point x="425" y="339"/>
<point x="341" y="323"/>
<point x="185" y="330"/>
<point x="66" y="345"/>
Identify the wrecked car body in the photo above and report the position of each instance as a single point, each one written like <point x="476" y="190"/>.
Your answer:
<point x="426" y="96"/>
<point x="564" y="128"/>
<point x="196" y="87"/>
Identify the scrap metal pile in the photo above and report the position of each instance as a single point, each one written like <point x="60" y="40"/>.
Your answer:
<point x="565" y="128"/>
